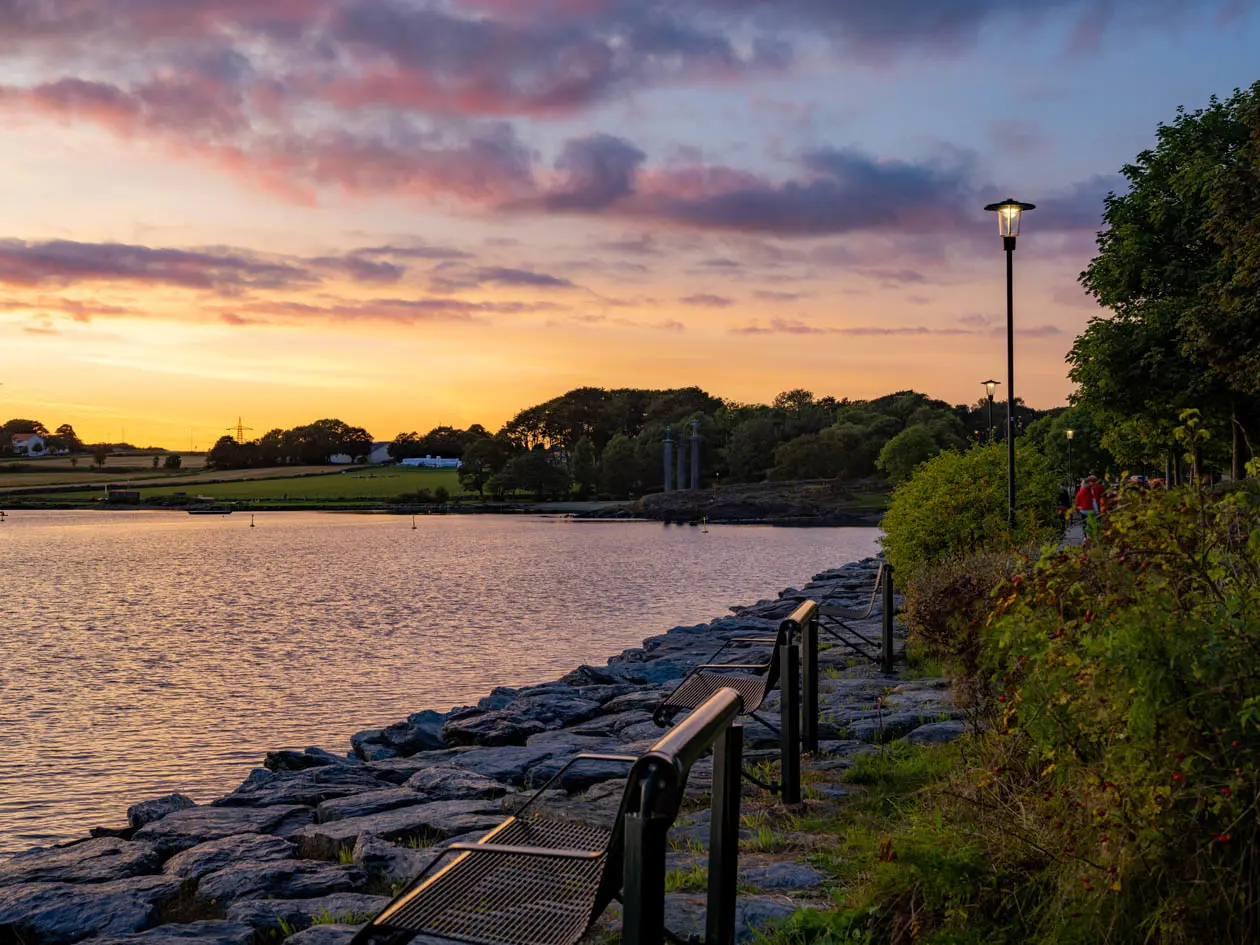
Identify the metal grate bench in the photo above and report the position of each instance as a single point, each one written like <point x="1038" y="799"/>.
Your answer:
<point x="755" y="681"/>
<point x="536" y="881"/>
<point x="875" y="651"/>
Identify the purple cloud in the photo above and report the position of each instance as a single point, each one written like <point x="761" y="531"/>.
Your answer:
<point x="704" y="300"/>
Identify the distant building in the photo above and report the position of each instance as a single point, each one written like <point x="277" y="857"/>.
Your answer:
<point x="379" y="454"/>
<point x="29" y="444"/>
<point x="430" y="462"/>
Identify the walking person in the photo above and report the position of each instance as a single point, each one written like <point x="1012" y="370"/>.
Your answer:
<point x="1087" y="500"/>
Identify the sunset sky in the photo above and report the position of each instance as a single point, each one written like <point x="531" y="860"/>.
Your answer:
<point x="403" y="213"/>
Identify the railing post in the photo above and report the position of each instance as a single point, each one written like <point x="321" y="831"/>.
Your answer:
<point x="790" y="723"/>
<point x="643" y="893"/>
<point x="728" y="756"/>
<point x="886" y="660"/>
<point x="809" y="683"/>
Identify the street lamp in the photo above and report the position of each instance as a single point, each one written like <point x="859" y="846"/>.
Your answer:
<point x="990" y="387"/>
<point x="1070" y="434"/>
<point x="1009" y="212"/>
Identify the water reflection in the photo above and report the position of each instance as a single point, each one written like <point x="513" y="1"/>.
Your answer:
<point x="143" y="653"/>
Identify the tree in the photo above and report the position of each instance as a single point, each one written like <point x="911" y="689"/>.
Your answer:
<point x="74" y="461"/>
<point x="750" y="451"/>
<point x="225" y="454"/>
<point x="619" y="467"/>
<point x="482" y="460"/>
<point x="583" y="467"/>
<point x="905" y="451"/>
<point x="357" y="443"/>
<point x="173" y="461"/>
<point x="808" y="457"/>
<point x="1179" y="336"/>
<point x="64" y="438"/>
<point x="537" y="471"/>
<point x="100" y="453"/>
<point x="156" y="459"/>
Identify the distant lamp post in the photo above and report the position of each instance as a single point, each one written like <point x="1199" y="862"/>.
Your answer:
<point x="990" y="388"/>
<point x="1009" y="212"/>
<point x="1071" y="435"/>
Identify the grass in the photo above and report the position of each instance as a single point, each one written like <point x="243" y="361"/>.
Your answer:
<point x="902" y="863"/>
<point x="345" y="486"/>
<point x="692" y="879"/>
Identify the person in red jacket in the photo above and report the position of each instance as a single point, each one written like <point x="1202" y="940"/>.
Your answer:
<point x="1087" y="498"/>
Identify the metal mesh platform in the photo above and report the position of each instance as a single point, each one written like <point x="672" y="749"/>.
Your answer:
<point x="693" y="692"/>
<point x="506" y="898"/>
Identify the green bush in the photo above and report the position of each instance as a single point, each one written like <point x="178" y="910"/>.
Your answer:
<point x="1127" y="732"/>
<point x="955" y="504"/>
<point x="948" y="604"/>
<point x="906" y="451"/>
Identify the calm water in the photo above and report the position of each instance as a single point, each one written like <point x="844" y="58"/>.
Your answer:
<point x="149" y="652"/>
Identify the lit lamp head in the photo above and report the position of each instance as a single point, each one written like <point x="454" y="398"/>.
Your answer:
<point x="991" y="387"/>
<point x="1071" y="434"/>
<point x="1009" y="212"/>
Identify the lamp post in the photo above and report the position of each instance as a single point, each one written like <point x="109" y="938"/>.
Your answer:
<point x="990" y="387"/>
<point x="1009" y="212"/>
<point x="1070" y="434"/>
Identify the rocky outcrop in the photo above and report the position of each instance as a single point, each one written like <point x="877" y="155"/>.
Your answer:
<point x="187" y="828"/>
<point x="420" y="823"/>
<point x="91" y="861"/>
<point x="215" y="855"/>
<point x="148" y="811"/>
<point x="206" y="932"/>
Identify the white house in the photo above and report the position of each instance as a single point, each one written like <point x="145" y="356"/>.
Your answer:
<point x="29" y="444"/>
<point x="430" y="462"/>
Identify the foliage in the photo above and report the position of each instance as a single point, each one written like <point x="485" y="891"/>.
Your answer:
<point x="482" y="459"/>
<point x="1128" y="723"/>
<point x="906" y="451"/>
<point x="956" y="504"/>
<point x="1175" y="265"/>
<point x="947" y="605"/>
<point x="173" y="461"/>
<point x="1089" y="457"/>
<point x="538" y="471"/>
<point x="310" y="445"/>
<point x="443" y="441"/>
<point x="811" y="456"/>
<point x="582" y="467"/>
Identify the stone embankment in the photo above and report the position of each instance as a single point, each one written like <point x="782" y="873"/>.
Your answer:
<point x="313" y="843"/>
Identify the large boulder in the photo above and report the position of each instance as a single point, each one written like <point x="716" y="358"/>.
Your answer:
<point x="289" y="760"/>
<point x="421" y="823"/>
<point x="278" y="879"/>
<point x="57" y="913"/>
<point x="451" y="783"/>
<point x="531" y="712"/>
<point x="187" y="828"/>
<point x="398" y="770"/>
<point x="491" y="728"/>
<point x="508" y="764"/>
<point x="368" y="746"/>
<point x="214" y="855"/>
<point x="420" y="731"/>
<point x="91" y="861"/>
<point x="271" y="915"/>
<point x="148" y="811"/>
<point x="206" y="932"/>
<point x="360" y="805"/>
<point x="381" y="859"/>
<point x="265" y="788"/>
<point x="327" y="933"/>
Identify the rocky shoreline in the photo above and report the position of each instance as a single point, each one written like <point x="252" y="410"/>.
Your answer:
<point x="313" y="843"/>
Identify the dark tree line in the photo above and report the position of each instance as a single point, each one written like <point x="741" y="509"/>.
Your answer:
<point x="310" y="445"/>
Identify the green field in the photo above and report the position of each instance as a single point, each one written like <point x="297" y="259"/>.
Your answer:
<point x="358" y="485"/>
